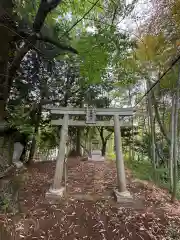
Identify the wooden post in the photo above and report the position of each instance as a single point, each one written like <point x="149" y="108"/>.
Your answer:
<point x="119" y="156"/>
<point x="61" y="155"/>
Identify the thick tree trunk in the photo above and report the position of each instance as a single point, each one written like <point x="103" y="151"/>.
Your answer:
<point x="6" y="37"/>
<point x="6" y="142"/>
<point x="7" y="73"/>
<point x="6" y="81"/>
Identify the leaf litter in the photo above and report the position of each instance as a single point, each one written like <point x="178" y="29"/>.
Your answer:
<point x="151" y="215"/>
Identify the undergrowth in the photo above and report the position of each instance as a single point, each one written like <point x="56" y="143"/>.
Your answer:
<point x="143" y="170"/>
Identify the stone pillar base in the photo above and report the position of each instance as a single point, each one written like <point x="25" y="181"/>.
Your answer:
<point x="55" y="193"/>
<point x="122" y="196"/>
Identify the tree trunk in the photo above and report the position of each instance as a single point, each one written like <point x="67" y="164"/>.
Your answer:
<point x="6" y="142"/>
<point x="104" y="142"/>
<point x="152" y="131"/>
<point x="171" y="159"/>
<point x="175" y="151"/>
<point x="104" y="139"/>
<point x="157" y="115"/>
<point x="78" y="142"/>
<point x="32" y="150"/>
<point x="7" y="73"/>
<point x="132" y="150"/>
<point x="36" y="128"/>
<point x="23" y="155"/>
<point x="6" y="37"/>
<point x="103" y="149"/>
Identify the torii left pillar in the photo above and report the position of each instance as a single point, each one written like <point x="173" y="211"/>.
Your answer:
<point x="57" y="190"/>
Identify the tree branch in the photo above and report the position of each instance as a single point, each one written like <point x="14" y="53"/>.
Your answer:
<point x="49" y="101"/>
<point x="57" y="44"/>
<point x="17" y="60"/>
<point x="99" y="129"/>
<point x="78" y="21"/>
<point x="114" y="16"/>
<point x="43" y="10"/>
<point x="108" y="136"/>
<point x="45" y="7"/>
<point x="102" y="135"/>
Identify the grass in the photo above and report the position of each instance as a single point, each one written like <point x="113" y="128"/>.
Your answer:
<point x="143" y="170"/>
<point x="140" y="169"/>
<point x="111" y="156"/>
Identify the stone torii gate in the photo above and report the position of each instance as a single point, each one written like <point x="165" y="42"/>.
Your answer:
<point x="57" y="190"/>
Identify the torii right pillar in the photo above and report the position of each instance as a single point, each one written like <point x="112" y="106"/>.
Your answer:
<point x="121" y="192"/>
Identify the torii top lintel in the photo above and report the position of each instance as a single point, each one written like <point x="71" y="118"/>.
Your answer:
<point x="99" y="111"/>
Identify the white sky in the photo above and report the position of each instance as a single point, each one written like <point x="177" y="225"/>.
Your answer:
<point x="141" y="13"/>
<point x="131" y="23"/>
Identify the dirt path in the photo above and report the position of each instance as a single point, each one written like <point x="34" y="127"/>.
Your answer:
<point x="149" y="216"/>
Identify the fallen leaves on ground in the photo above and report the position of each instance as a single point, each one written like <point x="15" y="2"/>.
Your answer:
<point x="150" y="216"/>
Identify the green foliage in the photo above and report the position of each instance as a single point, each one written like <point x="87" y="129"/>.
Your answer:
<point x="48" y="137"/>
<point x="87" y="78"/>
<point x="99" y="51"/>
<point x="4" y="204"/>
<point x="94" y="59"/>
<point x="111" y="156"/>
<point x="143" y="170"/>
<point x="19" y="118"/>
<point x="26" y="10"/>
